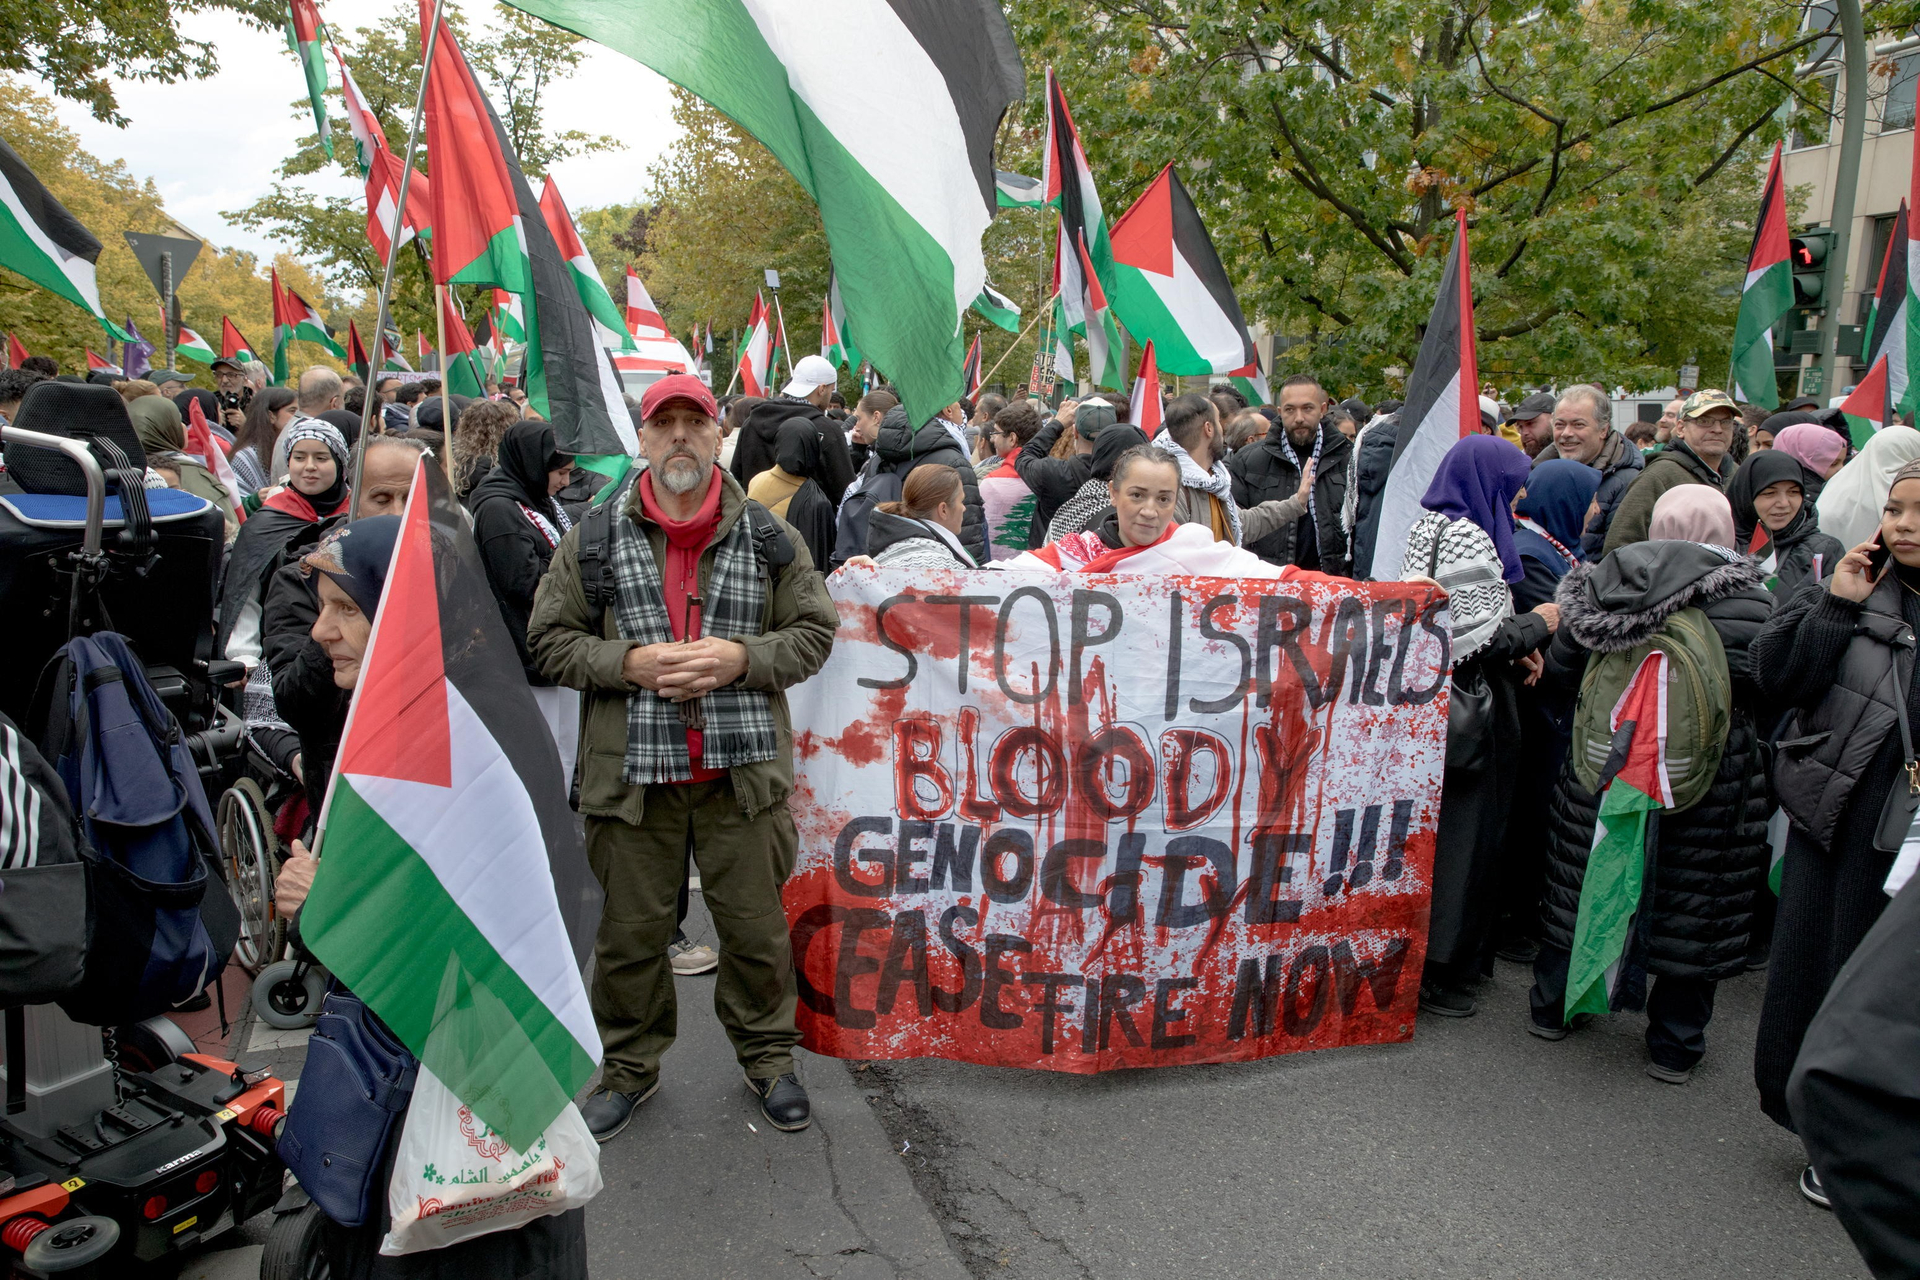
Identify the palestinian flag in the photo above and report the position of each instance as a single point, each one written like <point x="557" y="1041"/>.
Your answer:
<point x="512" y="316"/>
<point x="905" y="192"/>
<point x="1765" y="299"/>
<point x="301" y="320"/>
<point x="479" y="233"/>
<point x="232" y="345"/>
<point x="16" y="354"/>
<point x="428" y="357"/>
<point x="1017" y="191"/>
<point x="1759" y="551"/>
<point x="1886" y="328"/>
<point x="1148" y="404"/>
<point x="202" y="442"/>
<point x="1442" y="408"/>
<point x="461" y="366"/>
<point x="1865" y="409"/>
<point x="755" y="370"/>
<point x="444" y="824"/>
<point x="970" y="373"/>
<point x="1083" y="270"/>
<point x="643" y="317"/>
<point x="565" y="370"/>
<point x="1907" y="399"/>
<point x="1062" y="344"/>
<point x="1634" y="785"/>
<point x="40" y="240"/>
<point x="97" y="363"/>
<point x="1169" y="286"/>
<point x="1252" y="384"/>
<point x="390" y="357"/>
<point x="836" y="347"/>
<point x="193" y="346"/>
<point x="305" y="31"/>
<point x="357" y="353"/>
<point x="383" y="172"/>
<point x="997" y="308"/>
<point x="609" y="321"/>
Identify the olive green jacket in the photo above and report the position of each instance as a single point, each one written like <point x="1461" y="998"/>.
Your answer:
<point x="571" y="650"/>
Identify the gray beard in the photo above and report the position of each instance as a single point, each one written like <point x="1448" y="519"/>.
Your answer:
<point x="676" y="479"/>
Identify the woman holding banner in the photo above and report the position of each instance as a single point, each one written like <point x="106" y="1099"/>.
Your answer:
<point x="922" y="529"/>
<point x="1138" y="533"/>
<point x="1465" y="543"/>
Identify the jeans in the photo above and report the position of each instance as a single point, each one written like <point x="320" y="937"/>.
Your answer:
<point x="1678" y="1009"/>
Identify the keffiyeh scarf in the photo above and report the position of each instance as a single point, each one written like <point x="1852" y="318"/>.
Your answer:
<point x="739" y="727"/>
<point x="1460" y="556"/>
<point x="1216" y="482"/>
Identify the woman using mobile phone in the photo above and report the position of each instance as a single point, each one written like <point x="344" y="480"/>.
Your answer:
<point x="1839" y="659"/>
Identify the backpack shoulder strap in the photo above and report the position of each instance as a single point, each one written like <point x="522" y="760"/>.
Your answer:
<point x="595" y="553"/>
<point x="770" y="542"/>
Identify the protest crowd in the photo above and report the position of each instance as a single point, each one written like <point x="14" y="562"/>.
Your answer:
<point x="1666" y="734"/>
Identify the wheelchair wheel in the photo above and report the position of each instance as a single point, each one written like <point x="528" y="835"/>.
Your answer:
<point x="252" y="853"/>
<point x="285" y="1004"/>
<point x="293" y="1250"/>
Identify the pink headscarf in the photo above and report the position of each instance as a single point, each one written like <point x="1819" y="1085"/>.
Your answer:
<point x="1817" y="447"/>
<point x="1694" y="513"/>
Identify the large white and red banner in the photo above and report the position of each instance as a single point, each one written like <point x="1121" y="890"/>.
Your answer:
<point x="1099" y="821"/>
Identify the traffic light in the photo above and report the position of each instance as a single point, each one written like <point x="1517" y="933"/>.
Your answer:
<point x="1808" y="254"/>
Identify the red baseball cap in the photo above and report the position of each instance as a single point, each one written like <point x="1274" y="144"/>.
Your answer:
<point x="678" y="386"/>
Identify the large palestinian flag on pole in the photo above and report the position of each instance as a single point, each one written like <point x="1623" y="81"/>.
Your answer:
<point x="444" y="831"/>
<point x="1169" y="286"/>
<point x="234" y="346"/>
<point x="608" y="320"/>
<point x="1634" y="785"/>
<point x="42" y="241"/>
<point x="305" y="31"/>
<point x="1886" y="327"/>
<point x="1083" y="257"/>
<point x="905" y="188"/>
<point x="479" y="234"/>
<point x="1765" y="298"/>
<point x="1443" y="407"/>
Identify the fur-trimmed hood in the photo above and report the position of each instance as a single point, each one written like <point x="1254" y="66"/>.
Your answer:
<point x="1622" y="601"/>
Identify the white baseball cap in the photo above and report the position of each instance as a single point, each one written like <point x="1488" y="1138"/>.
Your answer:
<point x="809" y="373"/>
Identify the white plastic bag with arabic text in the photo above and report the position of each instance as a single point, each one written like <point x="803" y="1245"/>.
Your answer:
<point x="455" y="1179"/>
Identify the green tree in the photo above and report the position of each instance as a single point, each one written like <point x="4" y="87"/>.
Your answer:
<point x="78" y="47"/>
<point x="1605" y="154"/>
<point x="109" y="202"/>
<point x="516" y="64"/>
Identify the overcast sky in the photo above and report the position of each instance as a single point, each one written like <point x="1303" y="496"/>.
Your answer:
<point x="215" y="144"/>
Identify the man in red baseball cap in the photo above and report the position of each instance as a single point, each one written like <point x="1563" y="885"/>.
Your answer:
<point x="707" y="609"/>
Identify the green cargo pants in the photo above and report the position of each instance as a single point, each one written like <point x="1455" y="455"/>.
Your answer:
<point x="743" y="862"/>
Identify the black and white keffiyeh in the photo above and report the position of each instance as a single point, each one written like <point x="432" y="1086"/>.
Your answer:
<point x="739" y="727"/>
<point x="1076" y="514"/>
<point x="1216" y="482"/>
<point x="1300" y="467"/>
<point x="1460" y="556"/>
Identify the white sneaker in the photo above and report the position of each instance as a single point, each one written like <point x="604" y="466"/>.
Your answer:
<point x="690" y="958"/>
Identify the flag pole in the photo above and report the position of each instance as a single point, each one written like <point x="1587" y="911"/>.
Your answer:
<point x="987" y="377"/>
<point x="781" y="312"/>
<point x="394" y="237"/>
<point x="446" y="395"/>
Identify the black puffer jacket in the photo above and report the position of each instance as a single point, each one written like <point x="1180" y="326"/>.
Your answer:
<point x="1712" y="857"/>
<point x="1054" y="481"/>
<point x="759" y="445"/>
<point x="900" y="448"/>
<point x="1262" y="471"/>
<point x="513" y="547"/>
<point x="1372" y="459"/>
<point x="1619" y="463"/>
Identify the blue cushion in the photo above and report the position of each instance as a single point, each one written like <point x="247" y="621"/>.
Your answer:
<point x="66" y="511"/>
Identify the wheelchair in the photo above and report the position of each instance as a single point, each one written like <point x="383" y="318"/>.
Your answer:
<point x="122" y="1146"/>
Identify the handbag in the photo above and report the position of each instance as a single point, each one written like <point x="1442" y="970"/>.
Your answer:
<point x="1469" y="705"/>
<point x="1903" y="802"/>
<point x="356" y="1084"/>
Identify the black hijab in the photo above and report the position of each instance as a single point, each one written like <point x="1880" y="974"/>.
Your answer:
<point x="526" y="455"/>
<point x="1770" y="467"/>
<point x="796" y="449"/>
<point x="1114" y="439"/>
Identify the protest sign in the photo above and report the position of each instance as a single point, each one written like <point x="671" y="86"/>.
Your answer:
<point x="1098" y="821"/>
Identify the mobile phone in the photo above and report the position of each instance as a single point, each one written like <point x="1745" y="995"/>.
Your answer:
<point x="1877" y="559"/>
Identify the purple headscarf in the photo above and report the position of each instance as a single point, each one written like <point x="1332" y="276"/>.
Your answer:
<point x="1477" y="481"/>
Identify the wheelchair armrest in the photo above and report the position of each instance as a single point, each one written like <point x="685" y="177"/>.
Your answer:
<point x="224" y="671"/>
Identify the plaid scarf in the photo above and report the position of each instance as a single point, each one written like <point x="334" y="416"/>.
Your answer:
<point x="739" y="726"/>
<point x="1216" y="482"/>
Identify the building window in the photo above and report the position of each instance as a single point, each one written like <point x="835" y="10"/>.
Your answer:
<point x="1897" y="108"/>
<point x="1822" y="15"/>
<point x="1814" y="120"/>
